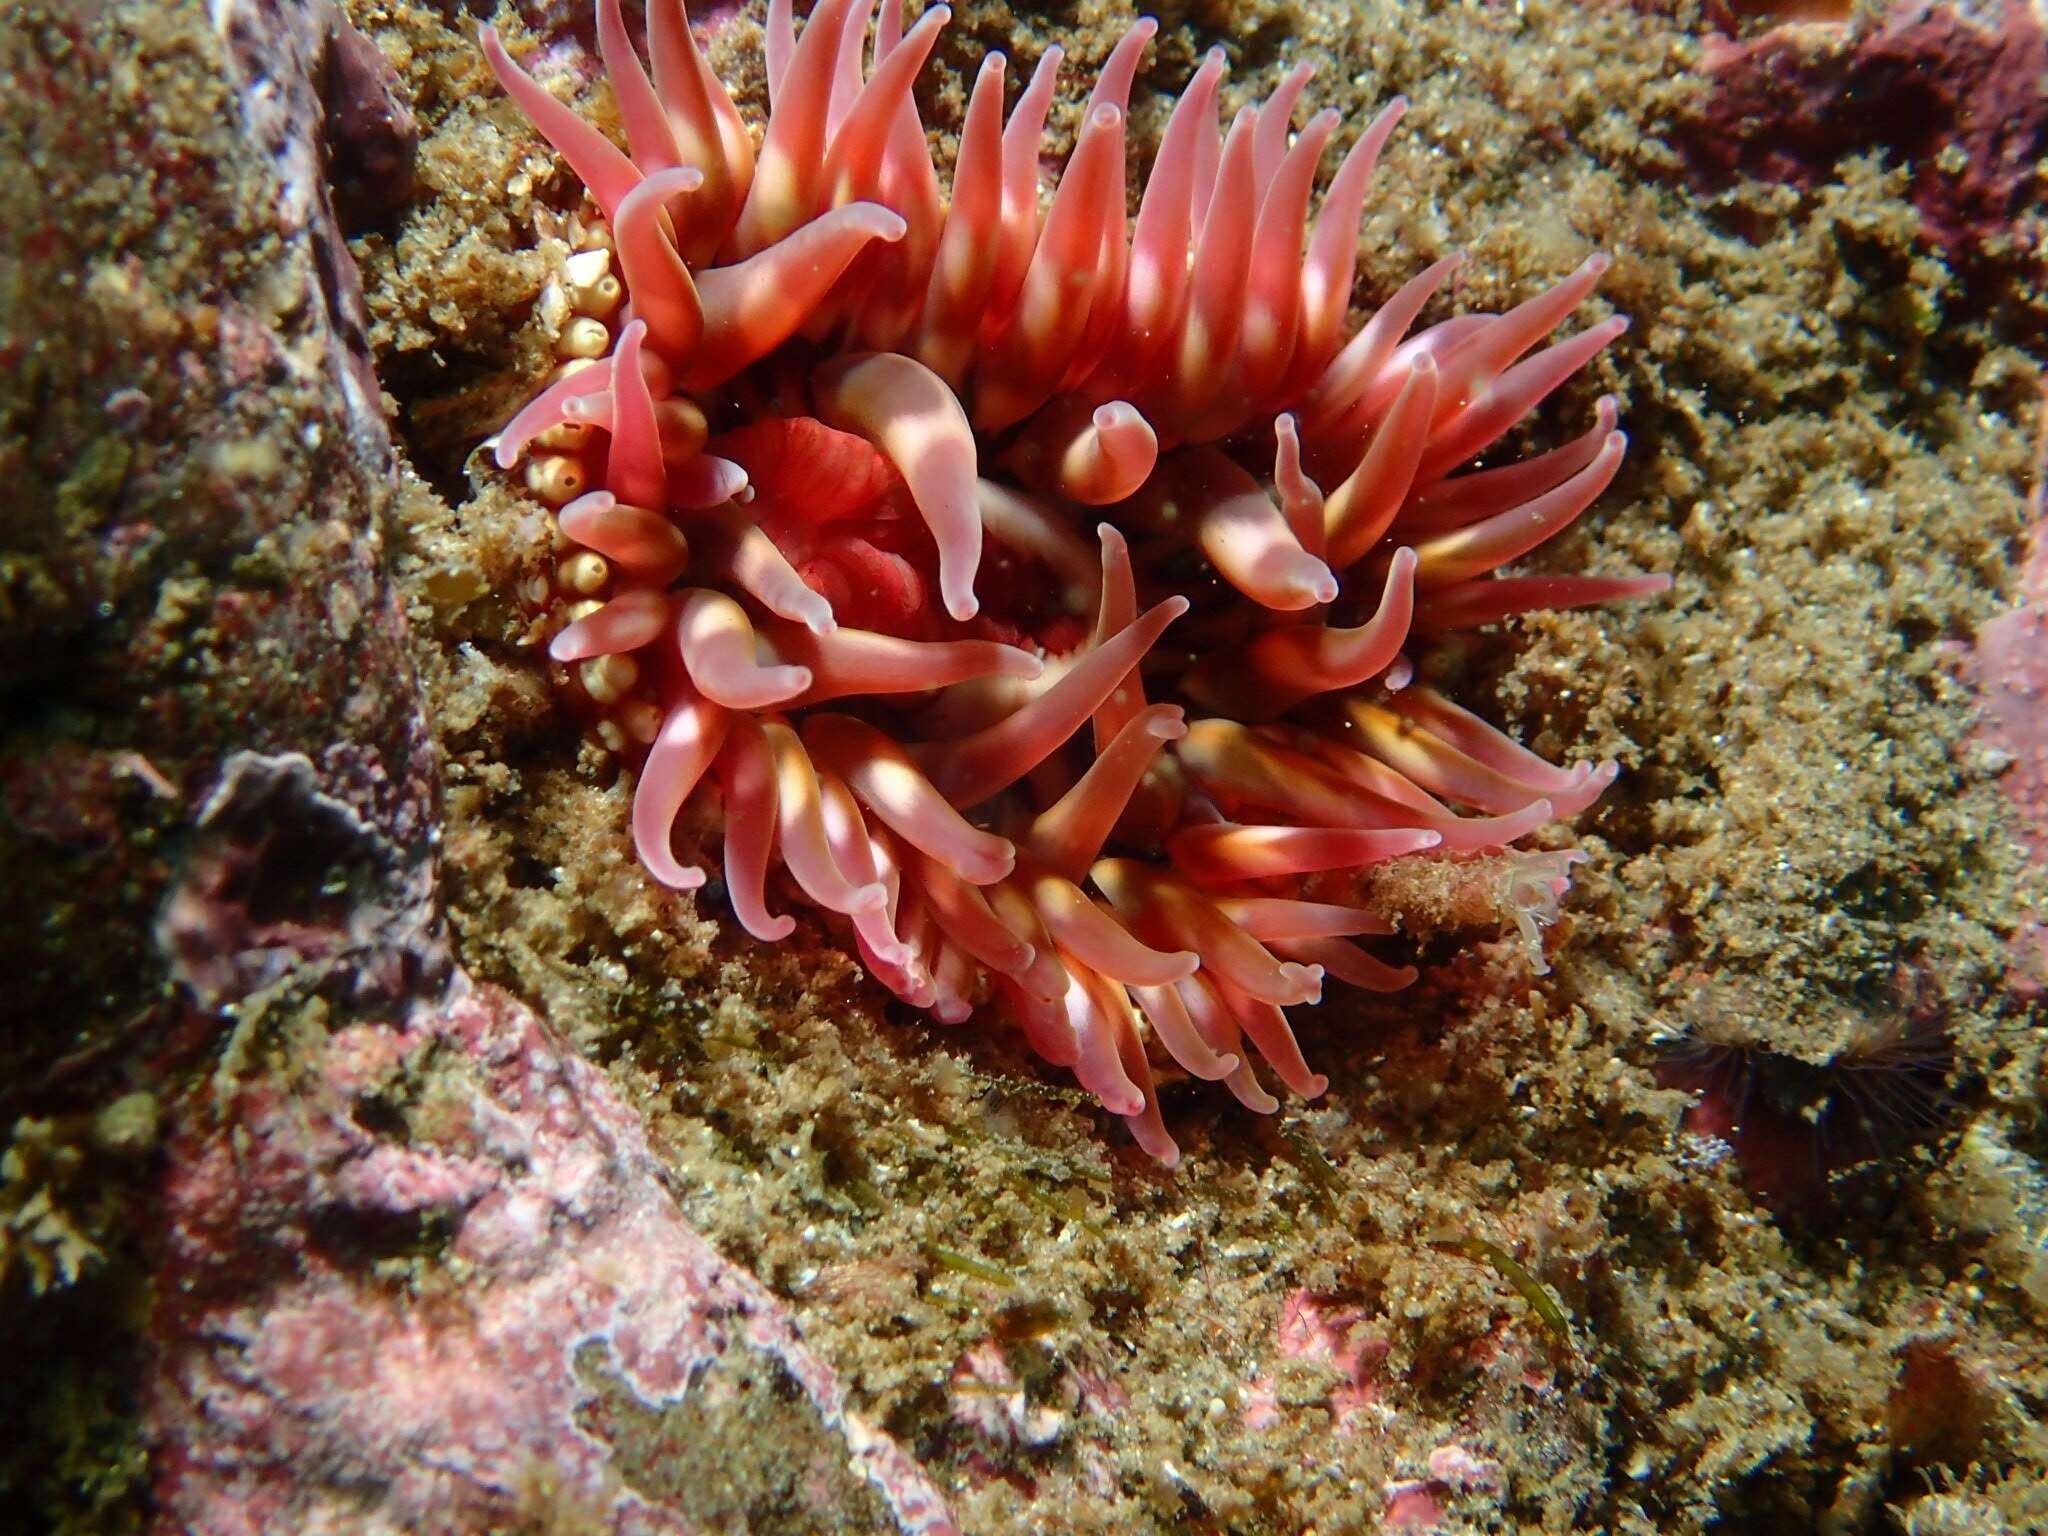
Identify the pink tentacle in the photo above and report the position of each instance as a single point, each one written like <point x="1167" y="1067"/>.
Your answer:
<point x="690" y="738"/>
<point x="908" y="412"/>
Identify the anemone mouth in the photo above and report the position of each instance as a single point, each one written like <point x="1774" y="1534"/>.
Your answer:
<point x="1036" y="588"/>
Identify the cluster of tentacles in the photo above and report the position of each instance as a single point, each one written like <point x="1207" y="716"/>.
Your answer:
<point x="982" y="554"/>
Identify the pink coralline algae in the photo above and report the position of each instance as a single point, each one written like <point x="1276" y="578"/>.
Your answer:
<point x="1349" y="1341"/>
<point x="2009" y="666"/>
<point x="1325" y="1329"/>
<point x="1418" y="1503"/>
<point x="1036" y="589"/>
<point x="297" y="1391"/>
<point x="1953" y="91"/>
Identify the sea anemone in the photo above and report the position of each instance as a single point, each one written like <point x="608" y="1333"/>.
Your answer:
<point x="1035" y="586"/>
